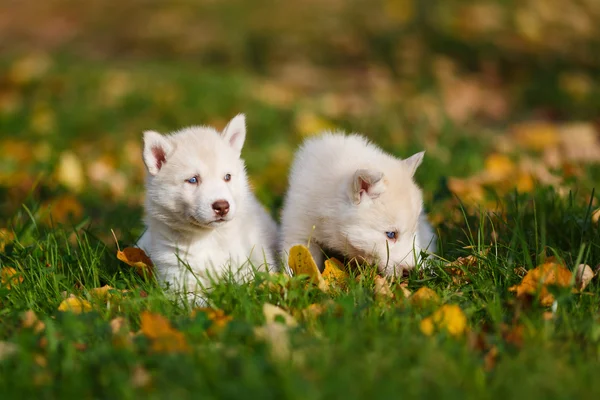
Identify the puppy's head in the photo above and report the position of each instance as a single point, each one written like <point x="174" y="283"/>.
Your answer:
<point x="381" y="221"/>
<point x="196" y="178"/>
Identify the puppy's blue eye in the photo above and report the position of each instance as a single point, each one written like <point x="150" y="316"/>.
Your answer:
<point x="193" y="180"/>
<point x="391" y="235"/>
<point x="227" y="177"/>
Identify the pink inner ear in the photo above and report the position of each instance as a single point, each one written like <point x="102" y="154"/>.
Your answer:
<point x="233" y="138"/>
<point x="159" y="156"/>
<point x="364" y="186"/>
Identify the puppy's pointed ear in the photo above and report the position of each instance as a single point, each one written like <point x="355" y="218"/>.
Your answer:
<point x="156" y="149"/>
<point x="235" y="132"/>
<point x="413" y="162"/>
<point x="366" y="183"/>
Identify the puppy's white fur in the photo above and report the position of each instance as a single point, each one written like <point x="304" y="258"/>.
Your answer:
<point x="186" y="238"/>
<point x="345" y="193"/>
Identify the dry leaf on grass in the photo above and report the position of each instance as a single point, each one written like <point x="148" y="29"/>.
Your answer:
<point x="106" y="293"/>
<point x="6" y="237"/>
<point x="276" y="333"/>
<point x="535" y="135"/>
<point x="334" y="273"/>
<point x="383" y="291"/>
<point x="121" y="335"/>
<point x="137" y="259"/>
<point x="538" y="280"/>
<point x="596" y="216"/>
<point x="273" y="313"/>
<point x="140" y="378"/>
<point x="75" y="305"/>
<point x="118" y="325"/>
<point x="405" y="291"/>
<point x="9" y="277"/>
<point x="313" y="311"/>
<point x="424" y="296"/>
<point x="583" y="276"/>
<point x="30" y="320"/>
<point x="301" y="262"/>
<point x="218" y="318"/>
<point x="448" y="317"/>
<point x="164" y="338"/>
<point x="489" y="361"/>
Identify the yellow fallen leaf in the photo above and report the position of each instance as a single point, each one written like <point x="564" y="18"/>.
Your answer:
<point x="405" y="291"/>
<point x="75" y="305"/>
<point x="334" y="273"/>
<point x="164" y="338"/>
<point x="469" y="190"/>
<point x="9" y="277"/>
<point x="301" y="262"/>
<point x="136" y="258"/>
<point x="101" y="293"/>
<point x="313" y="311"/>
<point x="596" y="216"/>
<point x="525" y="182"/>
<point x="122" y="337"/>
<point x="308" y="123"/>
<point x="218" y="318"/>
<point x="583" y="276"/>
<point x="424" y="296"/>
<point x="29" y="68"/>
<point x="383" y="290"/>
<point x="539" y="278"/>
<point x="30" y="320"/>
<point x="6" y="237"/>
<point x="448" y="317"/>
<point x="62" y="209"/>
<point x="536" y="136"/>
<point x="70" y="171"/>
<point x="499" y="167"/>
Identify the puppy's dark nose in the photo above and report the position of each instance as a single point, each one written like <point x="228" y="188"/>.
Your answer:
<point x="221" y="207"/>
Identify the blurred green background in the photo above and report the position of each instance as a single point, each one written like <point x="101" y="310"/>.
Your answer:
<point x="499" y="93"/>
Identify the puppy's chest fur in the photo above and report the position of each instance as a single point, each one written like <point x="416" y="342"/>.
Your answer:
<point x="213" y="252"/>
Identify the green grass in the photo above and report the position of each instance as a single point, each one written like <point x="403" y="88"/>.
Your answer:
<point x="361" y="348"/>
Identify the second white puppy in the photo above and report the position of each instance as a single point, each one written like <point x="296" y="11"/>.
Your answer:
<point x="200" y="211"/>
<point x="348" y="196"/>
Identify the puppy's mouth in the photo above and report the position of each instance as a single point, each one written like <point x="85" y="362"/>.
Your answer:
<point x="208" y="224"/>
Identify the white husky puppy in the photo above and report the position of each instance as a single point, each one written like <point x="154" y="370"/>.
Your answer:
<point x="348" y="196"/>
<point x="199" y="210"/>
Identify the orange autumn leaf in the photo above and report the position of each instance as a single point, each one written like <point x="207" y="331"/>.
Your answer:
<point x="218" y="318"/>
<point x="75" y="305"/>
<point x="164" y="338"/>
<point x="334" y="273"/>
<point x="9" y="277"/>
<point x="138" y="259"/>
<point x="538" y="280"/>
<point x="424" y="296"/>
<point x="62" y="209"/>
